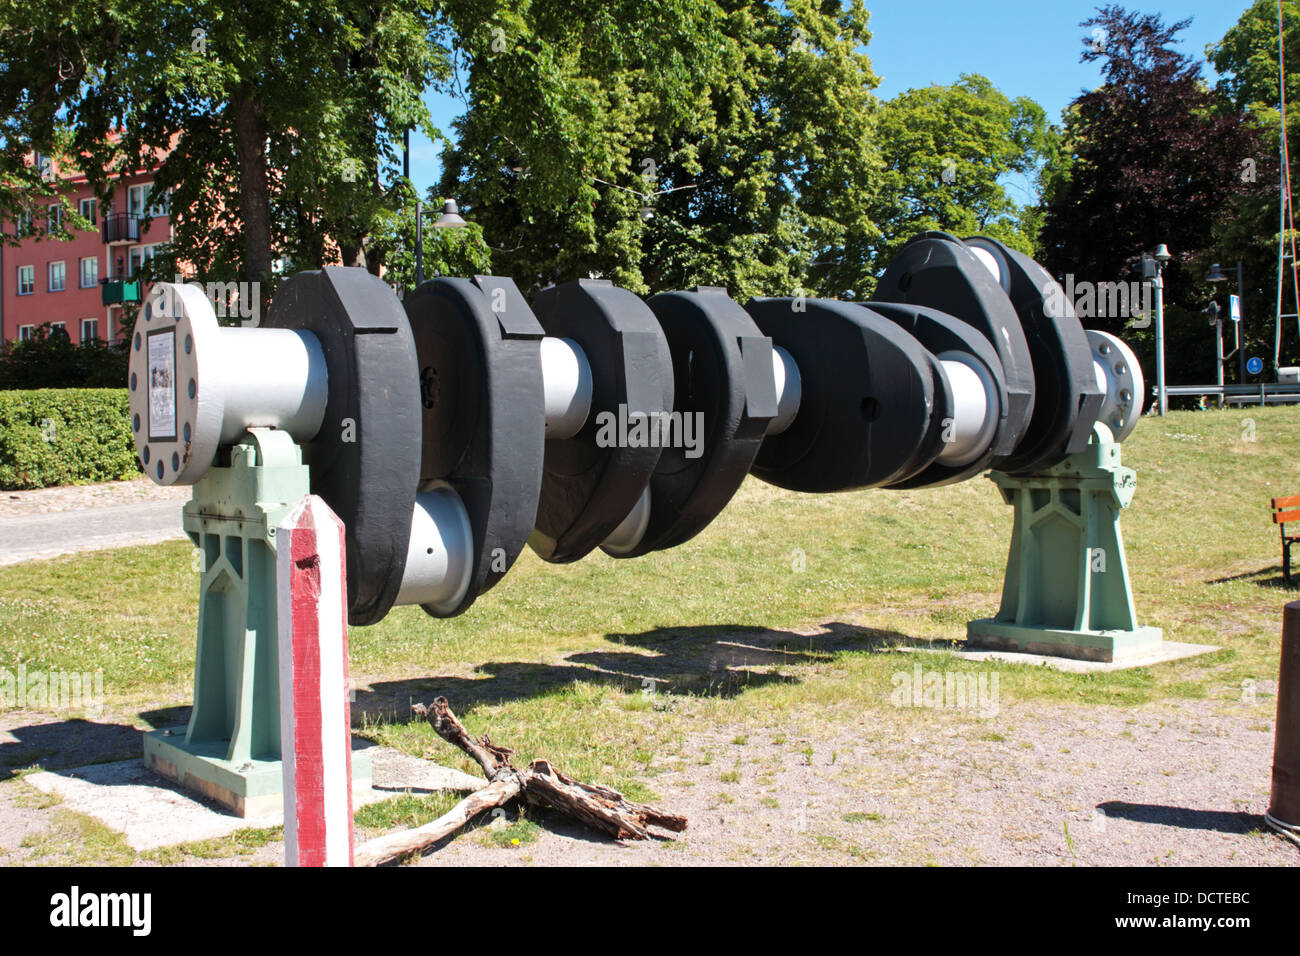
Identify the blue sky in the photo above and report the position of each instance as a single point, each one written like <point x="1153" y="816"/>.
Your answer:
<point x="1026" y="47"/>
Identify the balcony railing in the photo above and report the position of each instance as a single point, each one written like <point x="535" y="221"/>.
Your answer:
<point x="119" y="292"/>
<point x="120" y="227"/>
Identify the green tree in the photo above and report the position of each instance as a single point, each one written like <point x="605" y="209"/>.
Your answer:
<point x="454" y="252"/>
<point x="949" y="152"/>
<point x="1247" y="61"/>
<point x="279" y="121"/>
<point x="667" y="145"/>
<point x="1153" y="156"/>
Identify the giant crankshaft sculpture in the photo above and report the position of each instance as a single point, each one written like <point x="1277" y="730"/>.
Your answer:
<point x="451" y="430"/>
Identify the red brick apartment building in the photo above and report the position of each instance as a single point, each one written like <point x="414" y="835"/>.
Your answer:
<point x="85" y="286"/>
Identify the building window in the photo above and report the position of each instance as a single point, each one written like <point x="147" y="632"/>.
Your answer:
<point x="58" y="276"/>
<point x="25" y="332"/>
<point x="26" y="280"/>
<point x="23" y="223"/>
<point x="86" y="209"/>
<point x="140" y="255"/>
<point x="58" y="330"/>
<point x="54" y="217"/>
<point x="89" y="272"/>
<point x="89" y="330"/>
<point x="140" y="201"/>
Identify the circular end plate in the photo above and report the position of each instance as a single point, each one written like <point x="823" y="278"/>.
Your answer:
<point x="176" y="400"/>
<point x="1119" y="376"/>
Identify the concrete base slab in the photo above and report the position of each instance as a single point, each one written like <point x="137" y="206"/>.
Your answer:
<point x="1111" y="647"/>
<point x="152" y="812"/>
<point x="1160" y="653"/>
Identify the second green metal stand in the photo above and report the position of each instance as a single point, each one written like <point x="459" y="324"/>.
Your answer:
<point x="1067" y="590"/>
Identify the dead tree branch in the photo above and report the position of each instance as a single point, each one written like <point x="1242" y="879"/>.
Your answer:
<point x="601" y="808"/>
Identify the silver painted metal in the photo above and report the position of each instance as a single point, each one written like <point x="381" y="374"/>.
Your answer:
<point x="566" y="382"/>
<point x="990" y="262"/>
<point x="440" y="558"/>
<point x="789" y="390"/>
<point x="623" y="539"/>
<point x="195" y="386"/>
<point x="974" y="418"/>
<point x="1120" y="376"/>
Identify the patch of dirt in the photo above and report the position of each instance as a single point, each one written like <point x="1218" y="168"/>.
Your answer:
<point x="1176" y="785"/>
<point x="22" y="815"/>
<point x="1181" y="783"/>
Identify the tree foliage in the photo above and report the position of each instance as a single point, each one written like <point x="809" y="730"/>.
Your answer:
<point x="949" y="151"/>
<point x="1153" y="157"/>
<point x="1247" y="60"/>
<point x="667" y="145"/>
<point x="278" y="121"/>
<point x="661" y="145"/>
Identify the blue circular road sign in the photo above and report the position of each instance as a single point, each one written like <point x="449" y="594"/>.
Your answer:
<point x="1254" y="365"/>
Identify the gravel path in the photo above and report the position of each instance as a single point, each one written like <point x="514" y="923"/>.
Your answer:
<point x="52" y="521"/>
<point x="1041" y="785"/>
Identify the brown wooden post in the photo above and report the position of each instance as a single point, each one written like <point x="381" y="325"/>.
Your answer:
<point x="1284" y="807"/>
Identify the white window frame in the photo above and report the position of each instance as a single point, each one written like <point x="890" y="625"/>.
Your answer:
<point x="63" y="279"/>
<point x="81" y="272"/>
<point x="54" y="216"/>
<point x="140" y="202"/>
<point x="93" y="335"/>
<point x="25" y="332"/>
<point x="91" y="205"/>
<point x="147" y="252"/>
<point x="28" y="272"/>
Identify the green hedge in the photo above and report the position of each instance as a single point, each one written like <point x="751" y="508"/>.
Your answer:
<point x="65" y="436"/>
<point x="49" y="360"/>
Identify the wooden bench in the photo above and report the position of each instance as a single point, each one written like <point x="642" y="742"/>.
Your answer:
<point x="1285" y="511"/>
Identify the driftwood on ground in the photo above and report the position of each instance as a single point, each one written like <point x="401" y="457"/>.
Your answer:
<point x="540" y="785"/>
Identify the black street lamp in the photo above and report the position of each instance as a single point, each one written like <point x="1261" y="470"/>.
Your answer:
<point x="450" y="219"/>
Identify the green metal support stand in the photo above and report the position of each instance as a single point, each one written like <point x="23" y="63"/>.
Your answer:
<point x="1067" y="591"/>
<point x="230" y="752"/>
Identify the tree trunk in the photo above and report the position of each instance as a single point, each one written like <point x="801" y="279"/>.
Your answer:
<point x="352" y="254"/>
<point x="254" y="188"/>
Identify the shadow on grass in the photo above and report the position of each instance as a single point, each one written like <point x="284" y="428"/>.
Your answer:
<point x="715" y="660"/>
<point x="1273" y="579"/>
<point x="712" y="660"/>
<point x="1220" y="821"/>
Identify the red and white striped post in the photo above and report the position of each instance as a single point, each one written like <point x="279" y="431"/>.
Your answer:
<point x="315" y="720"/>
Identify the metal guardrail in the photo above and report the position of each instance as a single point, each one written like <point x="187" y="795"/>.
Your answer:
<point x="1265" y="393"/>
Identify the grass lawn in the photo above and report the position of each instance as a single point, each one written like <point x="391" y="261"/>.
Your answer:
<point x="780" y="614"/>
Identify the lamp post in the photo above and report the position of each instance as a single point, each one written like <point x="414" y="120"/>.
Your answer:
<point x="450" y="219"/>
<point x="1158" y="260"/>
